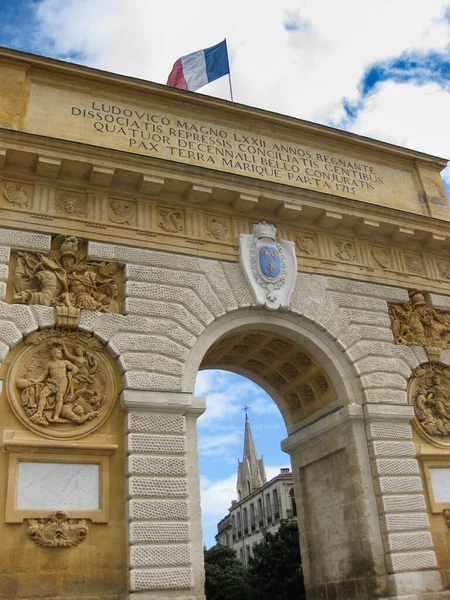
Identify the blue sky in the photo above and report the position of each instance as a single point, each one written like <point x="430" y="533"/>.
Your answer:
<point x="379" y="69"/>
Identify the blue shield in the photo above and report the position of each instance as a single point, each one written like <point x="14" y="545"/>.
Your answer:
<point x="269" y="261"/>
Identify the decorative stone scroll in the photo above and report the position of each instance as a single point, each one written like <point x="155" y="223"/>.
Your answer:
<point x="60" y="384"/>
<point x="65" y="279"/>
<point x="270" y="267"/>
<point x="415" y="323"/>
<point x="57" y="530"/>
<point x="429" y="393"/>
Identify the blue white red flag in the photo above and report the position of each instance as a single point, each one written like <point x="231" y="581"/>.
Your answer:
<point x="195" y="70"/>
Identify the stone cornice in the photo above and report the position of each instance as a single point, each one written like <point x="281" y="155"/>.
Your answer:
<point x="39" y="65"/>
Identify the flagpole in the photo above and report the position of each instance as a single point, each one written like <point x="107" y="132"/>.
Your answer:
<point x="229" y="70"/>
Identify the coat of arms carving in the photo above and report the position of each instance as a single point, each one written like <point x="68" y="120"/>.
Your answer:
<point x="60" y="384"/>
<point x="270" y="267"/>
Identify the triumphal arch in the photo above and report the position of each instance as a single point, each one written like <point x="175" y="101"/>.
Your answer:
<point x="147" y="233"/>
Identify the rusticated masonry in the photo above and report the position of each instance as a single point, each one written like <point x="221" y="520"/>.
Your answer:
<point x="171" y="302"/>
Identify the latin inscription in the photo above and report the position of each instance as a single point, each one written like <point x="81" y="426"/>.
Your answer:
<point x="180" y="139"/>
<point x="181" y="135"/>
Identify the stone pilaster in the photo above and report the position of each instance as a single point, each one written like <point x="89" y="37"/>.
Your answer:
<point x="410" y="559"/>
<point x="340" y="540"/>
<point x="164" y="527"/>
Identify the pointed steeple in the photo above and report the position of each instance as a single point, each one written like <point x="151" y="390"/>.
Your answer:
<point x="251" y="472"/>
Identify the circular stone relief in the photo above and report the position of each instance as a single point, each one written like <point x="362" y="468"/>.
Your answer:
<point x="60" y="384"/>
<point x="429" y="393"/>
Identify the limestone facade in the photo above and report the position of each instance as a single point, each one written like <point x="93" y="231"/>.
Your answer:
<point x="368" y="481"/>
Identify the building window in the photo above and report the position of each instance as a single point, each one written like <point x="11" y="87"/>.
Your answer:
<point x="268" y="509"/>
<point x="241" y="555"/>
<point x="252" y="517"/>
<point x="260" y="513"/>
<point x="293" y="510"/>
<point x="247" y="554"/>
<point x="276" y="505"/>
<point x="239" y="526"/>
<point x="245" y="521"/>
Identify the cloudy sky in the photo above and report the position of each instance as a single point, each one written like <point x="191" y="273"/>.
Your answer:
<point x="380" y="69"/>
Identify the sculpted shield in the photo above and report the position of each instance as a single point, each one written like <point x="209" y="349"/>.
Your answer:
<point x="270" y="267"/>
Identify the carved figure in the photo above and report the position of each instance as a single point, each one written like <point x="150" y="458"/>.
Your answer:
<point x="57" y="530"/>
<point x="60" y="382"/>
<point x="415" y="323"/>
<point x="430" y="395"/>
<point x="64" y="278"/>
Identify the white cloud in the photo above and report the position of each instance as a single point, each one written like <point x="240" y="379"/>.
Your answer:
<point x="306" y="71"/>
<point x="408" y="115"/>
<point x="226" y="396"/>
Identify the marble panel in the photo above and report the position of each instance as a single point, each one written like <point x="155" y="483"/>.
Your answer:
<point x="54" y="486"/>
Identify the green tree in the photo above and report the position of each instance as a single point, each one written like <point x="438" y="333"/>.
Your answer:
<point x="225" y="577"/>
<point x="275" y="570"/>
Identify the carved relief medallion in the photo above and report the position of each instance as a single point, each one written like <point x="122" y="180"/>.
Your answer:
<point x="346" y="251"/>
<point x="121" y="211"/>
<point x="64" y="278"/>
<point x="171" y="220"/>
<point x="307" y="244"/>
<point x="429" y="393"/>
<point x="17" y="194"/>
<point x="414" y="264"/>
<point x="216" y="228"/>
<point x="444" y="269"/>
<point x="70" y="204"/>
<point x="60" y="384"/>
<point x="57" y="530"/>
<point x="381" y="256"/>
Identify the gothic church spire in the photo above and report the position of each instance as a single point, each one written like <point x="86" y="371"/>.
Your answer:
<point x="251" y="471"/>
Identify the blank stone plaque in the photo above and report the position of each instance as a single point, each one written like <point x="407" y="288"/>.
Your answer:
<point x="440" y="482"/>
<point x="53" y="486"/>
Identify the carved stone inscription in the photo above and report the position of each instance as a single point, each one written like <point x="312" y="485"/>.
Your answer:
<point x="65" y="278"/>
<point x="152" y="130"/>
<point x="60" y="384"/>
<point x="429" y="392"/>
<point x="415" y="323"/>
<point x="57" y="530"/>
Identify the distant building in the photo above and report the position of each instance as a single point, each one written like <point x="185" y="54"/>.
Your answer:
<point x="261" y="504"/>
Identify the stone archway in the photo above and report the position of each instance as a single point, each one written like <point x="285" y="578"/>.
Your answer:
<point x="332" y="473"/>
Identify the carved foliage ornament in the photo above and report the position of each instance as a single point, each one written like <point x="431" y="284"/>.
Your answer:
<point x="429" y="392"/>
<point x="415" y="323"/>
<point x="57" y="531"/>
<point x="65" y="278"/>
<point x="270" y="267"/>
<point x="60" y="384"/>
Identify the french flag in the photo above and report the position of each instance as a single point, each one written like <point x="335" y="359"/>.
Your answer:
<point x="195" y="70"/>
